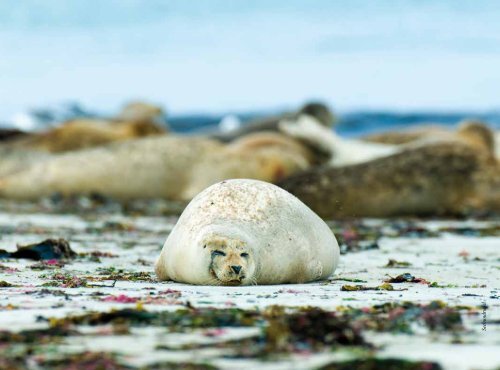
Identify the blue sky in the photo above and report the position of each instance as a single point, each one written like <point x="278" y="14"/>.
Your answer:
<point x="217" y="56"/>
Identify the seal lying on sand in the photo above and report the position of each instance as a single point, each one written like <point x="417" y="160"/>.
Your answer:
<point x="407" y="135"/>
<point x="135" y="120"/>
<point x="344" y="152"/>
<point x="427" y="180"/>
<point x="242" y="232"/>
<point x="469" y="129"/>
<point x="169" y="167"/>
<point x="85" y="133"/>
<point x="318" y="111"/>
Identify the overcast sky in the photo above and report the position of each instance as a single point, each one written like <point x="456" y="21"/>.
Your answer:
<point x="217" y="56"/>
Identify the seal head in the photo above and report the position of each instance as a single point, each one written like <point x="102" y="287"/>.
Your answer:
<point x="231" y="261"/>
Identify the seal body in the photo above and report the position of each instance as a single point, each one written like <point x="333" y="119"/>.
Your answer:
<point x="242" y="232"/>
<point x="342" y="152"/>
<point x="84" y="133"/>
<point x="316" y="110"/>
<point x="437" y="179"/>
<point x="163" y="166"/>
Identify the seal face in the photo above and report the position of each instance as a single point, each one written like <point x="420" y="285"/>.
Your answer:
<point x="231" y="261"/>
<point x="244" y="232"/>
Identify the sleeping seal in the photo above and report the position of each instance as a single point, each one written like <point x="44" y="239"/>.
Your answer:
<point x="243" y="232"/>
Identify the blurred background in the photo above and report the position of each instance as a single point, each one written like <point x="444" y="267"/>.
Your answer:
<point x="379" y="64"/>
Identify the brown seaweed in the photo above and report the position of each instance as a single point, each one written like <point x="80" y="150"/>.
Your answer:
<point x="49" y="249"/>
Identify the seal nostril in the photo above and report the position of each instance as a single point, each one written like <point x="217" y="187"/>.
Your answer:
<point x="236" y="269"/>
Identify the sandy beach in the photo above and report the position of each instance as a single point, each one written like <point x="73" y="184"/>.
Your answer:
<point x="447" y="317"/>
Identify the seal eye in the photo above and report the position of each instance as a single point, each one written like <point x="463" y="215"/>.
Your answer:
<point x="244" y="255"/>
<point x="218" y="253"/>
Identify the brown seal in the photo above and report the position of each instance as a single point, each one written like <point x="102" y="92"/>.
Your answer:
<point x="435" y="179"/>
<point x="134" y="121"/>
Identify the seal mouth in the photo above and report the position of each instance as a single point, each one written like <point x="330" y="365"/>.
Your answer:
<point x="231" y="282"/>
<point x="234" y="282"/>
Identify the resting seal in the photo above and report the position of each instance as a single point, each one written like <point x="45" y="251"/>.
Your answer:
<point x="162" y="166"/>
<point x="345" y="152"/>
<point x="438" y="178"/>
<point x="318" y="111"/>
<point x="243" y="232"/>
<point x="134" y="121"/>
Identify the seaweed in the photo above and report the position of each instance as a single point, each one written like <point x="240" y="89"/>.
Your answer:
<point x="180" y="366"/>
<point x="178" y="320"/>
<point x="112" y="273"/>
<point x="311" y="329"/>
<point x="381" y="364"/>
<point x="49" y="249"/>
<point x="354" y="288"/>
<point x="352" y="280"/>
<point x="392" y="263"/>
<point x="47" y="265"/>
<point x="122" y="298"/>
<point x="406" y="278"/>
<point x="493" y="230"/>
<point x="435" y="284"/>
<point x="85" y="360"/>
<point x="95" y="256"/>
<point x="401" y="317"/>
<point x="38" y="336"/>
<point x="65" y="280"/>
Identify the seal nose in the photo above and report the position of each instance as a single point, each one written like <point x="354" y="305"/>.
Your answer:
<point x="236" y="269"/>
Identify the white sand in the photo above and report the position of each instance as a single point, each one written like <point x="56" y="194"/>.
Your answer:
<point x="473" y="283"/>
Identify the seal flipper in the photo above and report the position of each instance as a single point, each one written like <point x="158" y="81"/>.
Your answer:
<point x="161" y="268"/>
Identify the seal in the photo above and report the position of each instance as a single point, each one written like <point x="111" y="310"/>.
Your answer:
<point x="473" y="131"/>
<point x="245" y="232"/>
<point x="435" y="179"/>
<point x="134" y="121"/>
<point x="12" y="161"/>
<point x="341" y="152"/>
<point x="317" y="110"/>
<point x="165" y="166"/>
<point x="406" y="135"/>
<point x="344" y="152"/>
<point x="85" y="133"/>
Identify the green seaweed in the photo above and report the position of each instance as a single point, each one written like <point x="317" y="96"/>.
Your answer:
<point x="381" y="364"/>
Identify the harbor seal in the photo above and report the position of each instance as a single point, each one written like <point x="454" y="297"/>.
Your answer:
<point x="345" y="152"/>
<point x="168" y="167"/>
<point x="134" y="121"/>
<point x="436" y="179"/>
<point x="341" y="152"/>
<point x="317" y="110"/>
<point x="20" y="153"/>
<point x="244" y="232"/>
<point x="474" y="131"/>
<point x="405" y="135"/>
<point x="84" y="133"/>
